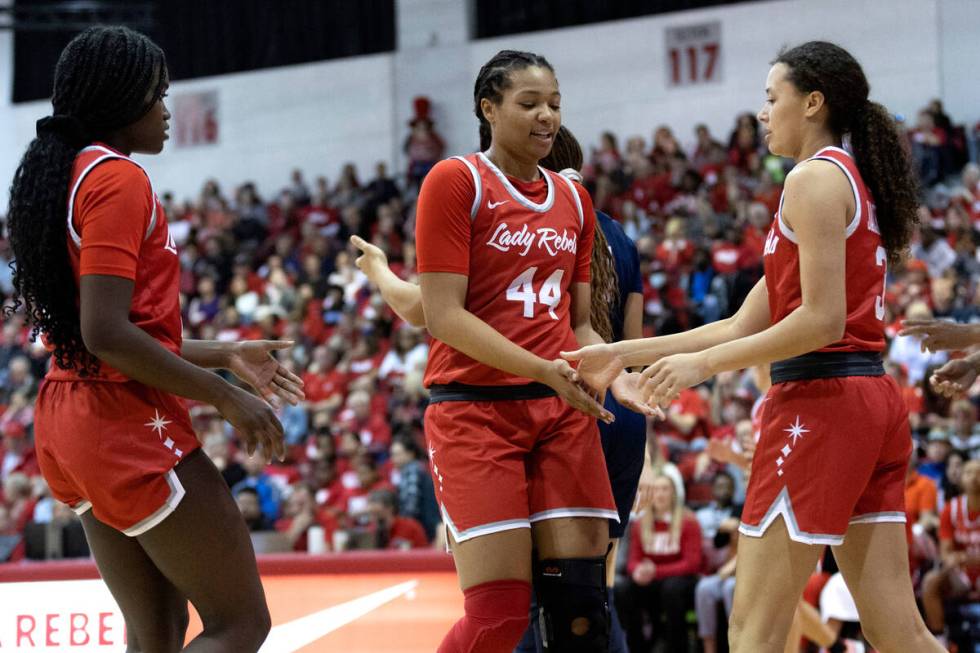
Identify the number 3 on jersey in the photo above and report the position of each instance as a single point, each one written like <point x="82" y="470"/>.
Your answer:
<point x="521" y="290"/>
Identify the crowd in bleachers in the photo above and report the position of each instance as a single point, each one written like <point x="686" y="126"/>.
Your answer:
<point x="356" y="475"/>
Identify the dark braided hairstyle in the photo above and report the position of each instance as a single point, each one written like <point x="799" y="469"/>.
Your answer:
<point x="566" y="153"/>
<point x="883" y="161"/>
<point x="101" y="84"/>
<point x="494" y="78"/>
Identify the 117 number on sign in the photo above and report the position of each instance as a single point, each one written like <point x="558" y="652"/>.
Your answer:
<point x="693" y="64"/>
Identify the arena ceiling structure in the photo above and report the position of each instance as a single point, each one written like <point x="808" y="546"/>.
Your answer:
<point x="201" y="38"/>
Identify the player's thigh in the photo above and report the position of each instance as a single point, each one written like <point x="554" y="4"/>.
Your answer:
<point x="497" y="556"/>
<point x="874" y="561"/>
<point x="154" y="609"/>
<point x="571" y="537"/>
<point x="771" y="573"/>
<point x="204" y="548"/>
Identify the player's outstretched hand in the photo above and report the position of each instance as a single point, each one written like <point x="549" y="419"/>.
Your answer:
<point x="255" y="422"/>
<point x="937" y="335"/>
<point x="563" y="378"/>
<point x="253" y="363"/>
<point x="954" y="378"/>
<point x="598" y="366"/>
<point x="372" y="260"/>
<point x="628" y="390"/>
<point x="664" y="380"/>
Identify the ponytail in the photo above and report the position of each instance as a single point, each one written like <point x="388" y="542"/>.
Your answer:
<point x="886" y="169"/>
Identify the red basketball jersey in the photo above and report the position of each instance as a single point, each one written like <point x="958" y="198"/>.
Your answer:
<point x="522" y="245"/>
<point x="865" y="266"/>
<point x="117" y="227"/>
<point x="961" y="526"/>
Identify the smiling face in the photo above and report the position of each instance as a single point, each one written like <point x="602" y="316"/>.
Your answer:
<point x="785" y="112"/>
<point x="528" y="116"/>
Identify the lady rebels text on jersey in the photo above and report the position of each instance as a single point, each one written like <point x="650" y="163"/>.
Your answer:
<point x="521" y="255"/>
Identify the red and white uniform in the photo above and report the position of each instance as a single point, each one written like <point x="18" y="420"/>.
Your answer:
<point x="105" y="442"/>
<point x="499" y="465"/>
<point x="961" y="526"/>
<point x="832" y="451"/>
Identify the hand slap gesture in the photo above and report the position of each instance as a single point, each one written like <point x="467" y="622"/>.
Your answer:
<point x="664" y="380"/>
<point x="254" y="364"/>
<point x="628" y="391"/>
<point x="954" y="378"/>
<point x="937" y="335"/>
<point x="598" y="366"/>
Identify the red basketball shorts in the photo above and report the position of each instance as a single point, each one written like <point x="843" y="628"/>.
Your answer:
<point x="832" y="452"/>
<point x="500" y="465"/>
<point x="111" y="448"/>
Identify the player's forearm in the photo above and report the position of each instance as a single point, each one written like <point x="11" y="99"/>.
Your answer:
<point x="646" y="351"/>
<point x="212" y="354"/>
<point x="586" y="335"/>
<point x="801" y="332"/>
<point x="470" y="335"/>
<point x="404" y="298"/>
<point x="131" y="351"/>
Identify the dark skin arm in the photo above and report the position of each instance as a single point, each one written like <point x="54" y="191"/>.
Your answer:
<point x="108" y="334"/>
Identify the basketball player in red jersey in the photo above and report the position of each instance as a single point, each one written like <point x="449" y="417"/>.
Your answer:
<point x="503" y="251"/>
<point x="835" y="439"/>
<point x="959" y="548"/>
<point x="98" y="272"/>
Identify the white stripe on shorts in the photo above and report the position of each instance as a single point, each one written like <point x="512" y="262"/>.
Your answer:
<point x="176" y="494"/>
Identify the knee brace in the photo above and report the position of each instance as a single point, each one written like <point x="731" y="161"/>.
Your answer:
<point x="574" y="604"/>
<point x="496" y="616"/>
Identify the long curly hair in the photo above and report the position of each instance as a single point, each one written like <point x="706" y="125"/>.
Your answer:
<point x="107" y="78"/>
<point x="494" y="78"/>
<point x="565" y="155"/>
<point x="877" y="146"/>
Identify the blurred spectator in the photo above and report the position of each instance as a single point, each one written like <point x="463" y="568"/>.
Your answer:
<point x="248" y="504"/>
<point x="394" y="531"/>
<point x="416" y="495"/>
<point x="907" y="350"/>
<point x="257" y="479"/>
<point x="921" y="497"/>
<point x="665" y="557"/>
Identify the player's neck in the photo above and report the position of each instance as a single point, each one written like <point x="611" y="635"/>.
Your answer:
<point x="814" y="142"/>
<point x="513" y="166"/>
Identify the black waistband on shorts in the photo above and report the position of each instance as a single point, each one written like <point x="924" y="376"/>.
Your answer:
<point x="826" y="365"/>
<point x="463" y="392"/>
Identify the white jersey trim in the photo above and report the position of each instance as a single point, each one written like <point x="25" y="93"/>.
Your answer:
<point x="107" y="155"/>
<point x="483" y="529"/>
<point x="523" y="201"/>
<point x="879" y="518"/>
<point x="559" y="513"/>
<point x="477" y="187"/>
<point x="578" y="201"/>
<point x="82" y="507"/>
<point x="782" y="505"/>
<point x="176" y="494"/>
<point x="858" y="212"/>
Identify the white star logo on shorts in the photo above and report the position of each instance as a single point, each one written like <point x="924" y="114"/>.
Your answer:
<point x="157" y="423"/>
<point x="796" y="431"/>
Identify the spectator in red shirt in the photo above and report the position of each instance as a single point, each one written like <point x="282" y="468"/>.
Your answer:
<point x="393" y="531"/>
<point x="959" y="546"/>
<point x="17" y="454"/>
<point x="372" y="427"/>
<point x="300" y="514"/>
<point x="665" y="557"/>
<point x="676" y="252"/>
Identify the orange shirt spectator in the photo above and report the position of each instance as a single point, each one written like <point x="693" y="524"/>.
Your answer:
<point x="920" y="495"/>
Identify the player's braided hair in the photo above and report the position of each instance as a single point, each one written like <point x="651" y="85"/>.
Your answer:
<point x="566" y="153"/>
<point x="494" y="78"/>
<point x="877" y="146"/>
<point x="106" y="78"/>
